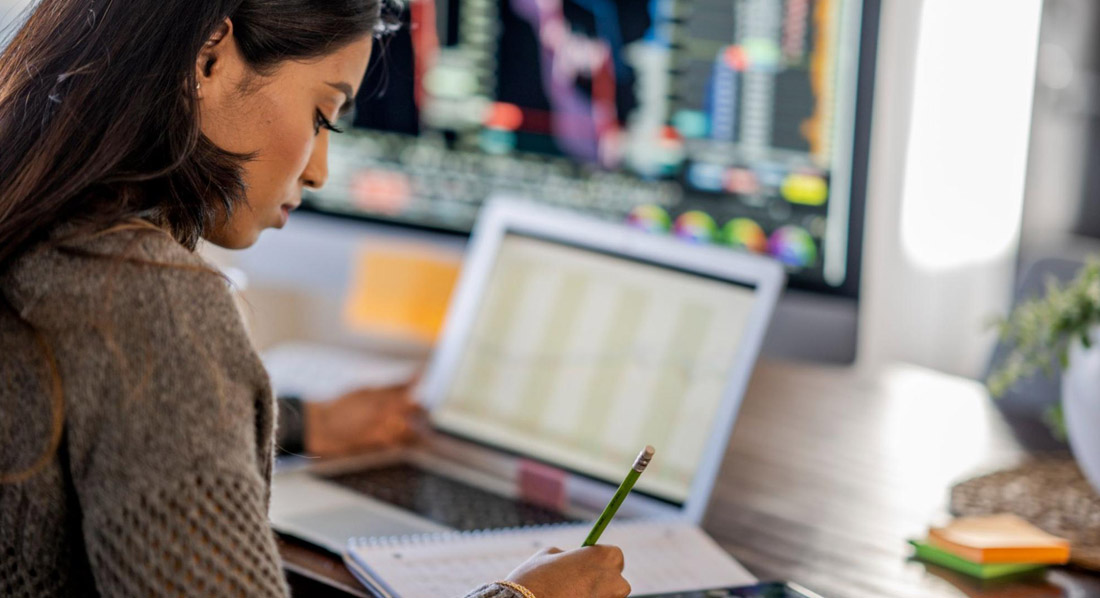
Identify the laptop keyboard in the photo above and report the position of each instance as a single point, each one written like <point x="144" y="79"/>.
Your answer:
<point x="445" y="500"/>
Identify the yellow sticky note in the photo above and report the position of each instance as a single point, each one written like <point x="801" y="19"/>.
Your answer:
<point x="401" y="291"/>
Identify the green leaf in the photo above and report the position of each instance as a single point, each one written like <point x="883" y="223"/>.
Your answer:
<point x="1055" y="419"/>
<point x="1039" y="330"/>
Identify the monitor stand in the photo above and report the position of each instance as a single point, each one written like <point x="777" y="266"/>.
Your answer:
<point x="813" y="327"/>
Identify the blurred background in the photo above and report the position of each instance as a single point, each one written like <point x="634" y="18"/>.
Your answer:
<point x="752" y="124"/>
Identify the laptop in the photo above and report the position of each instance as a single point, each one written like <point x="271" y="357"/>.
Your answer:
<point x="570" y="344"/>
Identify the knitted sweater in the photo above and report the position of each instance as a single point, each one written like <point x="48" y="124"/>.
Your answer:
<point x="143" y="467"/>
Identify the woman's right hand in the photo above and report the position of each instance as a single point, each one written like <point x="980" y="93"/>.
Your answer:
<point x="593" y="572"/>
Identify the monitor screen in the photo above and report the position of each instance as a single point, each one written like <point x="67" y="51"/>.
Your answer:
<point x="580" y="359"/>
<point x="726" y="122"/>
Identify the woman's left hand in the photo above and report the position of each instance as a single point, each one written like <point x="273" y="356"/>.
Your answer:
<point x="362" y="420"/>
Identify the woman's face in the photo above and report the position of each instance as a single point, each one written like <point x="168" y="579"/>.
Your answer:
<point x="281" y="118"/>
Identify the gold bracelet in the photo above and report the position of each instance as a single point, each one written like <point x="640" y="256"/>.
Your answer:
<point x="511" y="585"/>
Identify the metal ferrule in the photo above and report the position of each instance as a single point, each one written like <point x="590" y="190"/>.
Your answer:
<point x="643" y="459"/>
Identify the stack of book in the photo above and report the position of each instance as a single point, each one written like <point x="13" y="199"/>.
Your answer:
<point x="992" y="547"/>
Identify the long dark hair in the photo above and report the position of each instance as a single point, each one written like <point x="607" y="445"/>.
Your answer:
<point x="98" y="108"/>
<point x="98" y="119"/>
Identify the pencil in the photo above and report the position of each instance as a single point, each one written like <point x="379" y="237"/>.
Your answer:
<point x="620" y="495"/>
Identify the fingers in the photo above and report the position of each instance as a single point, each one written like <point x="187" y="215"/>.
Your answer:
<point x="611" y="556"/>
<point x="400" y="391"/>
<point x="592" y="572"/>
<point x="616" y="558"/>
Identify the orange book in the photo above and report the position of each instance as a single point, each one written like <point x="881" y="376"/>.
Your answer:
<point x="999" y="539"/>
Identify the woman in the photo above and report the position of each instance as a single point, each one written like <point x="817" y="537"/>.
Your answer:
<point x="136" y="421"/>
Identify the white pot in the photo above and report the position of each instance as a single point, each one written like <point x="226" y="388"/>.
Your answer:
<point x="1081" y="406"/>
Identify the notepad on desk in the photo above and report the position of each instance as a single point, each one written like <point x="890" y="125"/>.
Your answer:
<point x="661" y="557"/>
<point x="999" y="539"/>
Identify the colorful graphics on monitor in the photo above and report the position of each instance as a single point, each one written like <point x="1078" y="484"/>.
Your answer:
<point x="805" y="189"/>
<point x="793" y="246"/>
<point x="716" y="110"/>
<point x="695" y="227"/>
<point x="743" y="233"/>
<point x="651" y="219"/>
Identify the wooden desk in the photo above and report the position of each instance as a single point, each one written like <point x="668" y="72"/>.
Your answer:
<point x="828" y="472"/>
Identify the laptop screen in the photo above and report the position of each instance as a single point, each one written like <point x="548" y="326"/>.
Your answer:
<point x="580" y="358"/>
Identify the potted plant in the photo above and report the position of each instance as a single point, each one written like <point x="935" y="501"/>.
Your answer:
<point x="1064" y="328"/>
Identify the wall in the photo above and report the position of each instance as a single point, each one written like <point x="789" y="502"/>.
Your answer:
<point x="950" y="148"/>
<point x="1065" y="106"/>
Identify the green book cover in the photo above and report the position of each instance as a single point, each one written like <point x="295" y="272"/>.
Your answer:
<point x="937" y="556"/>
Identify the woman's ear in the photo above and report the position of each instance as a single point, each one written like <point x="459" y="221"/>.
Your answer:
<point x="215" y="60"/>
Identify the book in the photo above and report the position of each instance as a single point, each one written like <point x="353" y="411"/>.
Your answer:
<point x="661" y="557"/>
<point x="999" y="539"/>
<point x="931" y="554"/>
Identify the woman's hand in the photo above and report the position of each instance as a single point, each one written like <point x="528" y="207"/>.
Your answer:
<point x="363" y="420"/>
<point x="592" y="572"/>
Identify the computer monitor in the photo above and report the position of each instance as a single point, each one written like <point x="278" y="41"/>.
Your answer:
<point x="737" y="123"/>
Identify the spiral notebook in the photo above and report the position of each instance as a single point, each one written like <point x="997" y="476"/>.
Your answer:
<point x="661" y="557"/>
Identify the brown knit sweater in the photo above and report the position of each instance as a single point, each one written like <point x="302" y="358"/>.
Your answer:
<point x="159" y="483"/>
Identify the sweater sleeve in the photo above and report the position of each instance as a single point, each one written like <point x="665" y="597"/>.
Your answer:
<point x="172" y="467"/>
<point x="290" y="436"/>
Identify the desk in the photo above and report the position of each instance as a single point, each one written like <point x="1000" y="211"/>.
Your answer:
<point x="828" y="472"/>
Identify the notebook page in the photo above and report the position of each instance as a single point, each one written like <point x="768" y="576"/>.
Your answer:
<point x="660" y="557"/>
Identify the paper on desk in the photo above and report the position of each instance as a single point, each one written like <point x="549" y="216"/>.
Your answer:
<point x="661" y="558"/>
<point x="320" y="372"/>
<point x="401" y="290"/>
